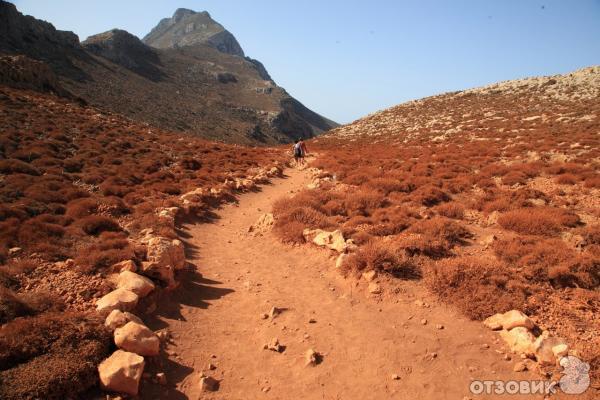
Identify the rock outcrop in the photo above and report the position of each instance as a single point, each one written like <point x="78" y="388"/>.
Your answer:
<point x="188" y="28"/>
<point x="127" y="50"/>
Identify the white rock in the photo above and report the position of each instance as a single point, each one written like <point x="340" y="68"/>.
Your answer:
<point x="509" y="320"/>
<point x="333" y="240"/>
<point x="138" y="284"/>
<point x="519" y="340"/>
<point x="121" y="372"/>
<point x="138" y="339"/>
<point x="118" y="299"/>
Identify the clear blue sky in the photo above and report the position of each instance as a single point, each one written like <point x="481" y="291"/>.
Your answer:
<point x="346" y="58"/>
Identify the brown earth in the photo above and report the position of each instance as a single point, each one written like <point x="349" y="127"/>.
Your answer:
<point x="216" y="318"/>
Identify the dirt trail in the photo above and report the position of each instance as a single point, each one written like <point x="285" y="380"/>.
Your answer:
<point x="215" y="317"/>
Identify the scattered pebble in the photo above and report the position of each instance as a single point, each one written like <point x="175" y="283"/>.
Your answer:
<point x="423" y="321"/>
<point x="395" y="377"/>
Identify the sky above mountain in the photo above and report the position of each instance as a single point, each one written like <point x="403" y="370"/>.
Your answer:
<point x="346" y="58"/>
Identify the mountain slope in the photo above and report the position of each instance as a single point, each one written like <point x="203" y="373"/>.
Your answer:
<point x="489" y="196"/>
<point x="197" y="81"/>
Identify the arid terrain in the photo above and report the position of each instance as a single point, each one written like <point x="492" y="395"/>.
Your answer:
<point x="198" y="82"/>
<point x="422" y="249"/>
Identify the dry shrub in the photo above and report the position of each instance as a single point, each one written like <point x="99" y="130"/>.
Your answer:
<point x="14" y="166"/>
<point x="290" y="224"/>
<point x="13" y="305"/>
<point x="52" y="356"/>
<point x="514" y="178"/>
<point x="96" y="224"/>
<point x="451" y="210"/>
<point x="566" y="179"/>
<point x="429" y="196"/>
<point x="364" y="202"/>
<point x="542" y="221"/>
<point x="36" y="230"/>
<point x="107" y="251"/>
<point x="381" y="257"/>
<point x="82" y="207"/>
<point x="478" y="287"/>
<point x="581" y="272"/>
<point x="592" y="182"/>
<point x="386" y="185"/>
<point x="392" y="220"/>
<point x="536" y="256"/>
<point x="441" y="230"/>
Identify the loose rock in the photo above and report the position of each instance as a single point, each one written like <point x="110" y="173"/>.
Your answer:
<point x="138" y="339"/>
<point x="313" y="358"/>
<point x="209" y="384"/>
<point x="138" y="284"/>
<point x="118" y="318"/>
<point x="121" y="372"/>
<point x="118" y="299"/>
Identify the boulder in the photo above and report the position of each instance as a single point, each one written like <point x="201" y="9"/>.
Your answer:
<point x="137" y="338"/>
<point x="138" y="284"/>
<point x="333" y="240"/>
<point x="118" y="299"/>
<point x="519" y="340"/>
<point x="117" y="319"/>
<point x="121" y="372"/>
<point x="509" y="320"/>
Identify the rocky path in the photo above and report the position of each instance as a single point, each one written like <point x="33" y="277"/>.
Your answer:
<point x="401" y="344"/>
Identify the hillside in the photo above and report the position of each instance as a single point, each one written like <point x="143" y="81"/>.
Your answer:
<point x="199" y="82"/>
<point x="490" y="196"/>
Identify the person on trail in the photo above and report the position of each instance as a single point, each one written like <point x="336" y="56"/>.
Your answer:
<point x="304" y="151"/>
<point x="297" y="149"/>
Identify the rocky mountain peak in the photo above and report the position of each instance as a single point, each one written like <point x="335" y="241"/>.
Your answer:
<point x="189" y="28"/>
<point x="123" y="48"/>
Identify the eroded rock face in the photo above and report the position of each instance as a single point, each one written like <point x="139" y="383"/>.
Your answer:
<point x="188" y="28"/>
<point x="118" y="299"/>
<point x="137" y="338"/>
<point x="121" y="372"/>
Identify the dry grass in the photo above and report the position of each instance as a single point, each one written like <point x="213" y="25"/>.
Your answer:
<point x="543" y="221"/>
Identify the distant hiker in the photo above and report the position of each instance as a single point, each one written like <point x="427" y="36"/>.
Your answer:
<point x="297" y="152"/>
<point x="304" y="151"/>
